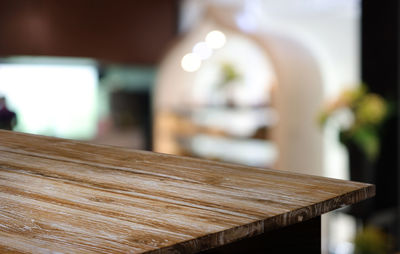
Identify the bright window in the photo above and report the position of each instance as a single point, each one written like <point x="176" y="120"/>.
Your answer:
<point x="56" y="100"/>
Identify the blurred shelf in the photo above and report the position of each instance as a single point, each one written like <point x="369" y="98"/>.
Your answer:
<point x="232" y="134"/>
<point x="238" y="122"/>
<point x="252" y="152"/>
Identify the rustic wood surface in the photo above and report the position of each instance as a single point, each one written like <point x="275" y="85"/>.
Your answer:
<point x="65" y="196"/>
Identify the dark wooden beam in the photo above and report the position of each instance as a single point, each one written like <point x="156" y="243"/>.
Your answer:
<point x="125" y="31"/>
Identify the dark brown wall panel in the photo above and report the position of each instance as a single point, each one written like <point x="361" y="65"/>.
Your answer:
<point x="129" y="31"/>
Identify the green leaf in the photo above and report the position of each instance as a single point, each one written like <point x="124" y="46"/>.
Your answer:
<point x="367" y="140"/>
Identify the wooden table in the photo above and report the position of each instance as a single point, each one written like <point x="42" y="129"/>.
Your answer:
<point x="64" y="196"/>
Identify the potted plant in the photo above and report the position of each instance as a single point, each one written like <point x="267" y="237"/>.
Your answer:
<point x="229" y="80"/>
<point x="372" y="240"/>
<point x="360" y="115"/>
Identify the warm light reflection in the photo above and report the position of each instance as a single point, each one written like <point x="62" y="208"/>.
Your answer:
<point x="215" y="39"/>
<point x="191" y="62"/>
<point x="202" y="50"/>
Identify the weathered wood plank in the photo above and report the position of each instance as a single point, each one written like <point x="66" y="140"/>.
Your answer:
<point x="67" y="196"/>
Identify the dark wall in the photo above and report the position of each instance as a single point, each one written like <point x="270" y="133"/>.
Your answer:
<point x="126" y="31"/>
<point x="380" y="71"/>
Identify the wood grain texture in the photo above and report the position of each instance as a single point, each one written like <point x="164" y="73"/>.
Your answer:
<point x="65" y="196"/>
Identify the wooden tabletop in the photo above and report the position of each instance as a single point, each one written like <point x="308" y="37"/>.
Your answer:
<point x="65" y="196"/>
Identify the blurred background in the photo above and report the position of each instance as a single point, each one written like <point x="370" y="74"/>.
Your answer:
<point x="308" y="86"/>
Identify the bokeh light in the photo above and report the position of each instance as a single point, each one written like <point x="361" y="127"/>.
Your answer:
<point x="215" y="39"/>
<point x="191" y="62"/>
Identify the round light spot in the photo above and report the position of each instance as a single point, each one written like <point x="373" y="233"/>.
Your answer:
<point x="190" y="62"/>
<point x="215" y="39"/>
<point x="202" y="50"/>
